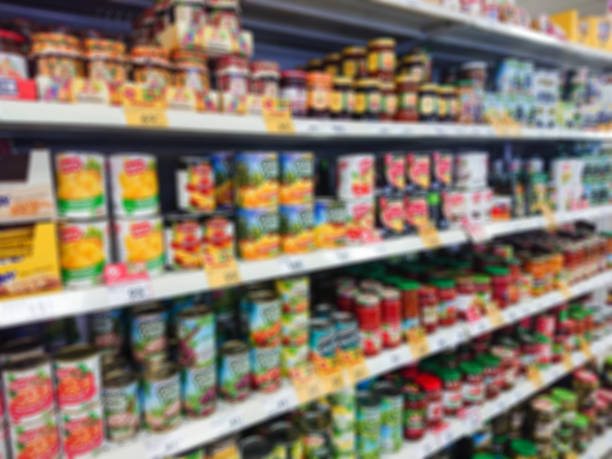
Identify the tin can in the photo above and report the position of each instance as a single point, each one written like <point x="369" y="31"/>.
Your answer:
<point x="234" y="371"/>
<point x="224" y="187"/>
<point x="196" y="335"/>
<point x="266" y="367"/>
<point x="315" y="425"/>
<point x="368" y="315"/>
<point x="78" y="376"/>
<point x="355" y="176"/>
<point x="135" y="189"/>
<point x="106" y="331"/>
<point x="297" y="229"/>
<point x="368" y="425"/>
<point x="392" y="407"/>
<point x="360" y="220"/>
<point x="141" y="240"/>
<point x="19" y="349"/>
<point x="295" y="328"/>
<point x="161" y="397"/>
<point x="258" y="233"/>
<point x="184" y="242"/>
<point x="199" y="389"/>
<point x="36" y="438"/>
<point x="195" y="185"/>
<point x="28" y="388"/>
<point x="84" y="251"/>
<point x="347" y="331"/>
<point x="294" y="294"/>
<point x="392" y="172"/>
<point x="330" y="223"/>
<point x="121" y="405"/>
<point x="297" y="178"/>
<point x="148" y="335"/>
<point x="322" y="342"/>
<point x="294" y="358"/>
<point x="286" y="440"/>
<point x="81" y="184"/>
<point x="343" y="418"/>
<point x="219" y="239"/>
<point x="83" y="431"/>
<point x="264" y="318"/>
<point x="256" y="180"/>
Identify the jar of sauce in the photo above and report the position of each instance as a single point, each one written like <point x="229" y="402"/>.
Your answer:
<point x="293" y="89"/>
<point x="428" y="305"/>
<point x="389" y="102"/>
<point x="466" y="101"/>
<point x="409" y="297"/>
<point x="491" y="373"/>
<point x="319" y="87"/>
<point x="342" y="99"/>
<point x="415" y="409"/>
<point x="232" y="74"/>
<point x="417" y="67"/>
<point x="12" y="54"/>
<point x="447" y="301"/>
<point x="264" y="79"/>
<point x="225" y="15"/>
<point x="500" y="282"/>
<point x="345" y="298"/>
<point x="473" y="388"/>
<point x="105" y="60"/>
<point x="150" y="66"/>
<point x="57" y="54"/>
<point x="432" y="387"/>
<point x="369" y="316"/>
<point x="466" y="292"/>
<point x="407" y="92"/>
<point x="452" y="397"/>
<point x="354" y="62"/>
<point x="332" y="64"/>
<point x="368" y="99"/>
<point x="447" y="104"/>
<point x="428" y="106"/>
<point x="483" y="291"/>
<point x="391" y="314"/>
<point x="190" y="70"/>
<point x="381" y="59"/>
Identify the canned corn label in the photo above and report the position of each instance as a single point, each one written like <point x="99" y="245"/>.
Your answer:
<point x="258" y="233"/>
<point x="297" y="178"/>
<point x="297" y="229"/>
<point x="122" y="411"/>
<point x="141" y="241"/>
<point x="29" y="392"/>
<point x="82" y="432"/>
<point x="197" y="340"/>
<point x="162" y="403"/>
<point x="78" y="382"/>
<point x="80" y="185"/>
<point x="199" y="391"/>
<point x="134" y="185"/>
<point x="83" y="252"/>
<point x="36" y="440"/>
<point x="256" y="180"/>
<point x="149" y="342"/>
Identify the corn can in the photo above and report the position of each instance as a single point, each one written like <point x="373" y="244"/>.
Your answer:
<point x="256" y="180"/>
<point x="81" y="185"/>
<point x="297" y="178"/>
<point x="84" y="252"/>
<point x="135" y="188"/>
<point x="141" y="240"/>
<point x="297" y="229"/>
<point x="258" y="233"/>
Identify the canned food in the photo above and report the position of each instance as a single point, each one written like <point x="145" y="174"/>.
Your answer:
<point x="78" y="376"/>
<point x="392" y="403"/>
<point x="83" y="431"/>
<point x="255" y="447"/>
<point x="121" y="405"/>
<point x="223" y="172"/>
<point x="141" y="240"/>
<point x="135" y="189"/>
<point x="196" y="335"/>
<point x="184" y="242"/>
<point x="286" y="441"/>
<point x="315" y="423"/>
<point x="258" y="233"/>
<point x="161" y="398"/>
<point x="195" y="185"/>
<point x="347" y="331"/>
<point x="20" y="348"/>
<point x="355" y="176"/>
<point x="36" y="438"/>
<point x="199" y="389"/>
<point x="266" y="368"/>
<point x="264" y="318"/>
<point x="322" y="342"/>
<point x="297" y="229"/>
<point x="256" y="180"/>
<point x="28" y="388"/>
<point x="295" y="328"/>
<point x="360" y="221"/>
<point x="368" y="425"/>
<point x="84" y="251"/>
<point x="294" y="294"/>
<point x="330" y="223"/>
<point x="107" y="330"/>
<point x="234" y="371"/>
<point x="148" y="335"/>
<point x="297" y="178"/>
<point x="294" y="358"/>
<point x="224" y="449"/>
<point x="219" y="239"/>
<point x="81" y="185"/>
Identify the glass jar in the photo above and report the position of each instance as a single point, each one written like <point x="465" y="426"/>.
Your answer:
<point x="354" y="62"/>
<point x="447" y="301"/>
<point x="452" y="398"/>
<point x="293" y="89"/>
<point x="191" y="70"/>
<point x="466" y="101"/>
<point x="332" y="64"/>
<point x="150" y="66"/>
<point x="389" y="102"/>
<point x="265" y="76"/>
<point x="491" y="373"/>
<point x="523" y="449"/>
<point x="57" y="54"/>
<point x="391" y="315"/>
<point x="473" y="389"/>
<point x="544" y="352"/>
<point x="368" y="99"/>
<point x="506" y="351"/>
<point x="232" y="74"/>
<point x="342" y="99"/>
<point x="225" y="15"/>
<point x="447" y="104"/>
<point x="500" y="282"/>
<point x="367" y="307"/>
<point x="482" y="284"/>
<point x="432" y="388"/>
<point x="381" y="59"/>
<point x="466" y="292"/>
<point x="415" y="409"/>
<point x="407" y="92"/>
<point x="409" y="296"/>
<point x="428" y="306"/>
<point x="105" y="59"/>
<point x="319" y="86"/>
<point x="345" y="298"/>
<point x="417" y="67"/>
<point x="537" y="267"/>
<point x="544" y="410"/>
<point x="428" y="98"/>
<point x="475" y="71"/>
<point x="12" y="54"/>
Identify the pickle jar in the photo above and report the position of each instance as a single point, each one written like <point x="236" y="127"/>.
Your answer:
<point x="342" y="99"/>
<point x="354" y="62"/>
<point x="319" y="88"/>
<point x="381" y="59"/>
<point x="368" y="99"/>
<point x="407" y="92"/>
<point x="265" y="77"/>
<point x="150" y="66"/>
<point x="332" y="64"/>
<point x="428" y="106"/>
<point x="389" y="101"/>
<point x="190" y="70"/>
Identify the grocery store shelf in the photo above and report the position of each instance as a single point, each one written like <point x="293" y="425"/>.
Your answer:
<point x="260" y="407"/>
<point x="600" y="448"/>
<point x="50" y="117"/>
<point x="82" y="301"/>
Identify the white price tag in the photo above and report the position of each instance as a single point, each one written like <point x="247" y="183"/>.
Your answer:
<point x="384" y="129"/>
<point x="135" y="292"/>
<point x="34" y="308"/>
<point x="294" y="264"/>
<point x="395" y="357"/>
<point x="338" y="129"/>
<point x="278" y="405"/>
<point x="427" y="447"/>
<point x="442" y="342"/>
<point x="343" y="256"/>
<point x="511" y="314"/>
<point x="234" y="422"/>
<point x="462" y="334"/>
<point x="313" y="128"/>
<point x="478" y="327"/>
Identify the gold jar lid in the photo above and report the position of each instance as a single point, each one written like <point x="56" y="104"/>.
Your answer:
<point x="365" y="82"/>
<point x="353" y="51"/>
<point x="383" y="42"/>
<point x="428" y="87"/>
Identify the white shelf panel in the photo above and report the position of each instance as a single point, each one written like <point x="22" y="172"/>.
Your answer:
<point x="600" y="448"/>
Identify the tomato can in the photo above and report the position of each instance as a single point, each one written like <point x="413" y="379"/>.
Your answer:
<point x="36" y="438"/>
<point x="355" y="176"/>
<point x="141" y="240"/>
<point x="28" y="388"/>
<point x="297" y="228"/>
<point x="107" y="330"/>
<point x="121" y="405"/>
<point x="222" y="164"/>
<point x="83" y="431"/>
<point x="199" y="389"/>
<point x="184" y="238"/>
<point x="234" y="371"/>
<point x="297" y="178"/>
<point x="81" y="184"/>
<point x="161" y="397"/>
<point x="264" y="317"/>
<point x="322" y="342"/>
<point x="258" y="233"/>
<point x="148" y="335"/>
<point x="134" y="185"/>
<point x="256" y="177"/>
<point x="84" y="251"/>
<point x="294" y="294"/>
<point x="196" y="336"/>
<point x="20" y="348"/>
<point x="367" y="307"/>
<point x="266" y="367"/>
<point x="78" y="376"/>
<point x="331" y="219"/>
<point x="195" y="185"/>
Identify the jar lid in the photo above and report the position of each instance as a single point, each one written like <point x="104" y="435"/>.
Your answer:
<point x="319" y="78"/>
<point x="497" y="270"/>
<point x="564" y="395"/>
<point x="294" y="74"/>
<point x="384" y="41"/>
<point x="316" y="62"/>
<point x="444" y="283"/>
<point x="470" y="368"/>
<point x="232" y="61"/>
<point x="365" y="82"/>
<point x="465" y="82"/>
<point x="428" y="382"/>
<point x="581" y="421"/>
<point x="428" y="87"/>
<point x="585" y="376"/>
<point x="488" y="360"/>
<point x="149" y="53"/>
<point x="184" y="58"/>
<point x="426" y="290"/>
<point x="353" y="51"/>
<point x="544" y="404"/>
<point x="406" y="79"/>
<point x="524" y="447"/>
<point x="331" y="57"/>
<point x="390" y="293"/>
<point x="406" y="284"/>
<point x="415" y="58"/>
<point x="11" y="35"/>
<point x="342" y="80"/>
<point x="266" y="67"/>
<point x="482" y="279"/>
<point x="387" y="86"/>
<point x="446" y="89"/>
<point x="449" y="374"/>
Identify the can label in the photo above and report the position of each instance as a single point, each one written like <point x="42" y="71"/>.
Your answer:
<point x="83" y="433"/>
<point x="106" y="330"/>
<point x="292" y="451"/>
<point x="323" y="345"/>
<point x="78" y="382"/>
<point x="297" y="229"/>
<point x="197" y="340"/>
<point x="257" y="177"/>
<point x="258" y="233"/>
<point x="356" y="176"/>
<point x="265" y="368"/>
<point x="391" y="437"/>
<point x="185" y="245"/>
<point x="29" y="393"/>
<point x="199" y="389"/>
<point x="83" y="252"/>
<point x="394" y="166"/>
<point x="223" y="173"/>
<point x="39" y="440"/>
<point x="265" y="322"/>
<point x="134" y="185"/>
<point x="418" y="170"/>
<point x="149" y="342"/>
<point x="195" y="187"/>
<point x="162" y="403"/>
<point x="294" y="358"/>
<point x="368" y="430"/>
<point x="141" y="241"/>
<point x="330" y="224"/>
<point x="235" y="376"/>
<point x="122" y="411"/>
<point x="361" y="219"/>
<point x="294" y="294"/>
<point x="295" y="329"/>
<point x="297" y="178"/>
<point x="80" y="185"/>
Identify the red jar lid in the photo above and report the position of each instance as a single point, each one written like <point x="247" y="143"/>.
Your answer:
<point x="428" y="382"/>
<point x="265" y="67"/>
<point x="231" y="61"/>
<point x="585" y="376"/>
<point x="11" y="35"/>
<point x="294" y="74"/>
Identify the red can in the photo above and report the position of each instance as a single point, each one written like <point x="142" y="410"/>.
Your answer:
<point x="391" y="311"/>
<point x="432" y="386"/>
<point x="545" y="324"/>
<point x="500" y="281"/>
<point x="345" y="298"/>
<point x="428" y="306"/>
<point x="368" y="315"/>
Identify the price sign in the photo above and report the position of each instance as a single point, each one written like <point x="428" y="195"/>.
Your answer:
<point x="358" y="372"/>
<point x="565" y="290"/>
<point x="308" y="388"/>
<point x="278" y="405"/>
<point x="429" y="235"/>
<point x="146" y="117"/>
<point x="335" y="381"/>
<point x="494" y="315"/>
<point x="222" y="275"/>
<point x="294" y="264"/>
<point x="417" y="340"/>
<point x="130" y="293"/>
<point x="476" y="231"/>
<point x="568" y="361"/>
<point x="234" y="422"/>
<point x="277" y="117"/>
<point x="585" y="348"/>
<point x="534" y="375"/>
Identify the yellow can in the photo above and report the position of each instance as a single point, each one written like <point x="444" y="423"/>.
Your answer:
<point x="141" y="240"/>
<point x="83" y="252"/>
<point x="80" y="185"/>
<point x="135" y="188"/>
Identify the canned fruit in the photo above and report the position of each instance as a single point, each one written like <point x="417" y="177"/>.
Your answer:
<point x="265" y="368"/>
<point x="83" y="252"/>
<point x="196" y="335"/>
<point x="234" y="371"/>
<point x="37" y="439"/>
<point x="184" y="243"/>
<point x="106" y="330"/>
<point x="80" y="185"/>
<point x="264" y="318"/>
<point x="258" y="233"/>
<point x="121" y="405"/>
<point x="135" y="188"/>
<point x="28" y="388"/>
<point x="297" y="229"/>
<point x="355" y="176"/>
<point x="83" y="431"/>
<point x="223" y="173"/>
<point x="256" y="178"/>
<point x="195" y="185"/>
<point x="148" y="336"/>
<point x="141" y="241"/>
<point x="161" y="398"/>
<point x="294" y="294"/>
<point x="219" y="240"/>
<point x="297" y="178"/>
<point x="199" y="389"/>
<point x="330" y="223"/>
<point x="78" y="376"/>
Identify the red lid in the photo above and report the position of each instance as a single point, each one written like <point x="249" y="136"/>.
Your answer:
<point x="265" y="66"/>
<point x="585" y="376"/>
<point x="232" y="61"/>
<point x="11" y="35"/>
<point x="297" y="74"/>
<point x="428" y="382"/>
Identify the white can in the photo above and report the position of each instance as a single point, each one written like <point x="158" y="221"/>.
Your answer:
<point x="355" y="176"/>
<point x="134" y="184"/>
<point x="81" y="185"/>
<point x="141" y="240"/>
<point x="84" y="252"/>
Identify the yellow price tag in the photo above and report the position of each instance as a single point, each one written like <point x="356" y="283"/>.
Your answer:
<point x="222" y="275"/>
<point x="571" y="455"/>
<point x="494" y="315"/>
<point x="146" y="117"/>
<point x="535" y="376"/>
<point x="565" y="290"/>
<point x="277" y="116"/>
<point x="335" y="381"/>
<point x="549" y="216"/>
<point x="429" y="235"/>
<point x="568" y="362"/>
<point x="585" y="348"/>
<point x="308" y="388"/>
<point x="357" y="372"/>
<point x="417" y="340"/>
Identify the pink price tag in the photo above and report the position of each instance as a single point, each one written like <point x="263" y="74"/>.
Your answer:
<point x="476" y="231"/>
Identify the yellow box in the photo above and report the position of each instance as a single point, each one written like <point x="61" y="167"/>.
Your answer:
<point x="568" y="21"/>
<point x="590" y="29"/>
<point x="35" y="267"/>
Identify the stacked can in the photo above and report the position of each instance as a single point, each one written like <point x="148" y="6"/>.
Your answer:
<point x="31" y="417"/>
<point x="78" y="376"/>
<point x="265" y="339"/>
<point x="294" y="296"/>
<point x="368" y="425"/>
<point x="121" y="405"/>
<point x="392" y="412"/>
<point x="106" y="332"/>
<point x="343" y="416"/>
<point x="256" y="194"/>
<point x="296" y="199"/>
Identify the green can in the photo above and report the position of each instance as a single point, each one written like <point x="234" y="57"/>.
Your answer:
<point x="368" y="425"/>
<point x="286" y="440"/>
<point x="264" y="318"/>
<point x="392" y="401"/>
<point x="161" y="398"/>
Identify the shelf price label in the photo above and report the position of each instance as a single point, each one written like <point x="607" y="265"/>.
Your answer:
<point x="334" y="381"/>
<point x="355" y="366"/>
<point x="417" y="340"/>
<point x="221" y="269"/>
<point x="308" y="385"/>
<point x="429" y="235"/>
<point x="565" y="290"/>
<point x="549" y="216"/>
<point x="585" y="348"/>
<point x="568" y="361"/>
<point x="476" y="231"/>
<point x="277" y="116"/>
<point x="144" y="107"/>
<point x="534" y="375"/>
<point x="146" y="117"/>
<point x="494" y="315"/>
